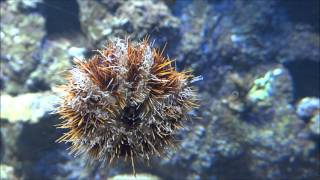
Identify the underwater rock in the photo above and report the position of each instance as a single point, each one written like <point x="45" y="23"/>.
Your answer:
<point x="96" y="21"/>
<point x="264" y="132"/>
<point x="280" y="140"/>
<point x="246" y="126"/>
<point x="149" y="17"/>
<point x="30" y="148"/>
<point x="264" y="137"/>
<point x="31" y="62"/>
<point x="308" y="107"/>
<point x="299" y="44"/>
<point x="194" y="156"/>
<point x="216" y="36"/>
<point x="135" y="19"/>
<point x="23" y="132"/>
<point x="21" y="35"/>
<point x="54" y="58"/>
<point x="112" y="5"/>
<point x="6" y="172"/>
<point x="255" y="94"/>
<point x="283" y="145"/>
<point x="193" y="23"/>
<point x="30" y="5"/>
<point x="222" y="33"/>
<point x="32" y="106"/>
<point x="314" y="124"/>
<point x="10" y="132"/>
<point x="28" y="135"/>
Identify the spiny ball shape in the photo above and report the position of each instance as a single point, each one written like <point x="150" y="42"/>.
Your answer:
<point x="125" y="101"/>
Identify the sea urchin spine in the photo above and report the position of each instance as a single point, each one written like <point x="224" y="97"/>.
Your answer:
<point x="125" y="101"/>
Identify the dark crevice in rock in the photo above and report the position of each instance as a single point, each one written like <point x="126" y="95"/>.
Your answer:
<point x="1" y="146"/>
<point x="305" y="75"/>
<point x="62" y="18"/>
<point x="1" y="83"/>
<point x="37" y="85"/>
<point x="39" y="153"/>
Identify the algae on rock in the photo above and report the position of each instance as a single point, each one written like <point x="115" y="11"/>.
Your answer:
<point x="21" y="36"/>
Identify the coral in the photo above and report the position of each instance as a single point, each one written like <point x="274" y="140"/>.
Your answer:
<point x="126" y="101"/>
<point x="261" y="89"/>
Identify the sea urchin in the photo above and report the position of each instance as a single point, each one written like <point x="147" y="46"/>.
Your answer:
<point x="125" y="101"/>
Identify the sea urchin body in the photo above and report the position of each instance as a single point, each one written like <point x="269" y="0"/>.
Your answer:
<point x="125" y="101"/>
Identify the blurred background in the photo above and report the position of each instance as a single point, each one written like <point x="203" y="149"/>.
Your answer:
<point x="260" y="112"/>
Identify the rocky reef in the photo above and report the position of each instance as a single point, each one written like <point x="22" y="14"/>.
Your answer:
<point x="259" y="115"/>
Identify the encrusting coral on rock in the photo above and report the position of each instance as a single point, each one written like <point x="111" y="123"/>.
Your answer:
<point x="125" y="101"/>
